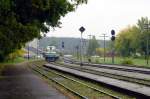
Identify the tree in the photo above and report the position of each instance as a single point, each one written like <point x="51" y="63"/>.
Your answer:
<point x="144" y="34"/>
<point x="93" y="44"/>
<point x="23" y="20"/>
<point x="127" y="41"/>
<point x="132" y="39"/>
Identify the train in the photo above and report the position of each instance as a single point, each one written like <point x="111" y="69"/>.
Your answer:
<point x="51" y="56"/>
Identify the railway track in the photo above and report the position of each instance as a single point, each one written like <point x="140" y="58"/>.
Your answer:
<point x="138" y="90"/>
<point x="114" y="67"/>
<point x="58" y="78"/>
<point x="110" y="75"/>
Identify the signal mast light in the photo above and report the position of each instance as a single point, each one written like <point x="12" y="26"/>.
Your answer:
<point x="113" y="35"/>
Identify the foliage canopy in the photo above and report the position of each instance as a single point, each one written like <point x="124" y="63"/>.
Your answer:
<point x="133" y="39"/>
<point x="23" y="20"/>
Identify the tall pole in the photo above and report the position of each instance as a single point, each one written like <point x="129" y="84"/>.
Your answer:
<point x="113" y="53"/>
<point x="81" y="29"/>
<point x="104" y="48"/>
<point x="90" y="37"/>
<point x="113" y="40"/>
<point x="28" y="51"/>
<point x="147" y="50"/>
<point x="147" y="44"/>
<point x="84" y="43"/>
<point x="77" y="47"/>
<point x="81" y="49"/>
<point x="104" y="36"/>
<point x="37" y="47"/>
<point x="146" y="26"/>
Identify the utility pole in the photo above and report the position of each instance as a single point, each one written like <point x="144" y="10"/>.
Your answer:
<point x="37" y="48"/>
<point x="84" y="45"/>
<point x="104" y="36"/>
<point x="90" y="38"/>
<point x="77" y="51"/>
<point x="28" y="51"/>
<point x="62" y="48"/>
<point x="81" y="48"/>
<point x="147" y="27"/>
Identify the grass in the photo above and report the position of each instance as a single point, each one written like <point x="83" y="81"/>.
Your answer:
<point x="8" y="62"/>
<point x="12" y="62"/>
<point x="119" y="60"/>
<point x="16" y="60"/>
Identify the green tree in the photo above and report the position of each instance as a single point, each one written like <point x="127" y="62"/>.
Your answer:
<point x="127" y="41"/>
<point x="93" y="44"/>
<point x="23" y="20"/>
<point x="144" y="34"/>
<point x="132" y="39"/>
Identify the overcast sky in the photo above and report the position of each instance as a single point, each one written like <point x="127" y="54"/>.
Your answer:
<point x="100" y="16"/>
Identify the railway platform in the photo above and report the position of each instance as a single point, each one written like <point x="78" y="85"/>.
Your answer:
<point x="135" y="68"/>
<point x="18" y="82"/>
<point x="123" y="73"/>
<point x="111" y="70"/>
<point x="128" y="86"/>
<point x="138" y="69"/>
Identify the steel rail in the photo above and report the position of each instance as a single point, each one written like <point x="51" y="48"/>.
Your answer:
<point x="46" y="76"/>
<point x="125" y="78"/>
<point x="103" y="66"/>
<point x="101" y="91"/>
<point x="98" y="90"/>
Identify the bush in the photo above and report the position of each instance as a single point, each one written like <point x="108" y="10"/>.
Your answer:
<point x="17" y="53"/>
<point x="97" y="61"/>
<point x="127" y="62"/>
<point x="137" y="55"/>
